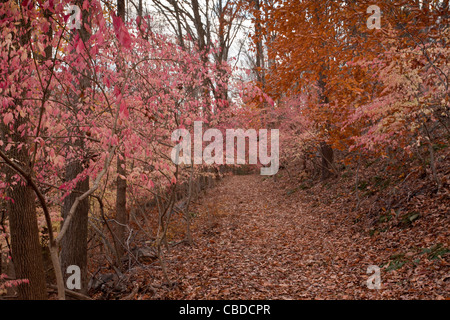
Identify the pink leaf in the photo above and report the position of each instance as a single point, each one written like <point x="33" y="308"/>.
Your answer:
<point x="107" y="82"/>
<point x="117" y="91"/>
<point x="123" y="109"/>
<point x="117" y="22"/>
<point x="59" y="161"/>
<point x="121" y="32"/>
<point x="125" y="38"/>
<point x="7" y="118"/>
<point x="80" y="46"/>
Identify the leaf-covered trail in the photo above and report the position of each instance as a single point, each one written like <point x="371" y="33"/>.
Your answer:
<point x="254" y="241"/>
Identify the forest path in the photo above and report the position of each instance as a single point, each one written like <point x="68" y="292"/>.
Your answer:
<point x="257" y="241"/>
<point x="257" y="238"/>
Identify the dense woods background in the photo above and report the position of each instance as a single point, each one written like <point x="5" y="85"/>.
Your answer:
<point x="86" y="178"/>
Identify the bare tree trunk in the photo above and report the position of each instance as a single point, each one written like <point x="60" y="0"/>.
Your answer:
<point x="260" y="64"/>
<point x="121" y="204"/>
<point x="186" y="210"/>
<point x="327" y="160"/>
<point x="26" y="249"/>
<point x="25" y="245"/>
<point x="74" y="242"/>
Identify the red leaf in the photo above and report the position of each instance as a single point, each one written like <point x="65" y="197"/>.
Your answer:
<point x="121" y="32"/>
<point x="124" y="110"/>
<point x="80" y="46"/>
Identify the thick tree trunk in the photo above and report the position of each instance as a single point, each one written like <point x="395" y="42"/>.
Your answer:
<point x="26" y="249"/>
<point x="74" y="242"/>
<point x="25" y="245"/>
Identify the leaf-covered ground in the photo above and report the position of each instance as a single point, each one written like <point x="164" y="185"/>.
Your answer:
<point x="256" y="238"/>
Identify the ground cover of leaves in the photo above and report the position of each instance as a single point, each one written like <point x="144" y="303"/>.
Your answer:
<point x="256" y="238"/>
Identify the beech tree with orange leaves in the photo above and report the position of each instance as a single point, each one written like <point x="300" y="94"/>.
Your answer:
<point x="328" y="52"/>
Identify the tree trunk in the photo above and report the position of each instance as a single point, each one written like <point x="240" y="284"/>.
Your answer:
<point x="260" y="63"/>
<point x="327" y="160"/>
<point x="25" y="245"/>
<point x="121" y="207"/>
<point x="26" y="249"/>
<point x="74" y="242"/>
<point x="121" y="195"/>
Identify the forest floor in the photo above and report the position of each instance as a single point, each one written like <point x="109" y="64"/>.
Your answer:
<point x="256" y="238"/>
